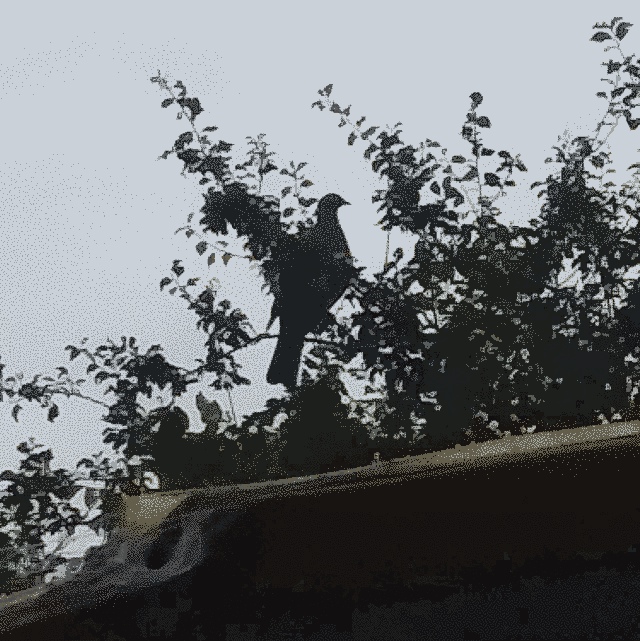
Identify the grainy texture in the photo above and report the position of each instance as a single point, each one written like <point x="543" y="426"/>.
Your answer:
<point x="414" y="531"/>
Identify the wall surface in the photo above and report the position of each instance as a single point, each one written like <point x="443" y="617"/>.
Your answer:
<point x="505" y="507"/>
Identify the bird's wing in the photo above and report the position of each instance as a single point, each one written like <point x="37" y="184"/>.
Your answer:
<point x="313" y="268"/>
<point x="281" y="277"/>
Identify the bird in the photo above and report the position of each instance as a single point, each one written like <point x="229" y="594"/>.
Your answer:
<point x="210" y="414"/>
<point x="314" y="269"/>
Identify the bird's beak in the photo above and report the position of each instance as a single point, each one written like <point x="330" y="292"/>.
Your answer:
<point x="344" y="202"/>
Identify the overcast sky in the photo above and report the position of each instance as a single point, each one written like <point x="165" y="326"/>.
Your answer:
<point x="88" y="212"/>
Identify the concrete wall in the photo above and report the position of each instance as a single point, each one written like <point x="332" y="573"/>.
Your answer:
<point x="391" y="526"/>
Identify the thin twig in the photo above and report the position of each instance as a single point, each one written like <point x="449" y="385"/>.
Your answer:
<point x="386" y="255"/>
<point x="233" y="411"/>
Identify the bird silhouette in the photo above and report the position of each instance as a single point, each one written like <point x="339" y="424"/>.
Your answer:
<point x="210" y="413"/>
<point x="314" y="269"/>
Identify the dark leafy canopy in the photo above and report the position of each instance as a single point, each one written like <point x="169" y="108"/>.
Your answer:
<point x="35" y="504"/>
<point x="480" y="326"/>
<point x="502" y="342"/>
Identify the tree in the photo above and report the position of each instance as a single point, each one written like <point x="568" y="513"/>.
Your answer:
<point x="473" y="336"/>
<point x="36" y="504"/>
<point x="478" y="334"/>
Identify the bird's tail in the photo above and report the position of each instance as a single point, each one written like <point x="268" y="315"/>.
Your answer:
<point x="286" y="361"/>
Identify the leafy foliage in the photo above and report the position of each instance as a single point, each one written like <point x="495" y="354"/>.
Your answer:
<point x="36" y="503"/>
<point x="477" y="334"/>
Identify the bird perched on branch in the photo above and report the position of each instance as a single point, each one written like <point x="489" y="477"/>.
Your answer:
<point x="315" y="267"/>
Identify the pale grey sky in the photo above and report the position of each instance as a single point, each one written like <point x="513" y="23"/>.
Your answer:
<point x="87" y="213"/>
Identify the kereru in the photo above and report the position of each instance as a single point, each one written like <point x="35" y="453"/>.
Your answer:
<point x="315" y="267"/>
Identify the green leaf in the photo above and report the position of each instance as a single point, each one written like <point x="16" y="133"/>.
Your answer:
<point x="633" y="70"/>
<point x="491" y="179"/>
<point x="14" y="412"/>
<point x="53" y="413"/>
<point x="211" y="260"/>
<point x="306" y="183"/>
<point x="164" y="282"/>
<point x="459" y="159"/>
<point x="470" y="175"/>
<point x="167" y="102"/>
<point x="612" y="66"/>
<point x="226" y="258"/>
<point x="177" y="268"/>
<point x="372" y="147"/>
<point x="601" y="36"/>
<point x="173" y="291"/>
<point x="368" y="132"/>
<point x="435" y="187"/>
<point x="622" y="29"/>
<point x="201" y="247"/>
<point x="352" y="138"/>
<point x="184" y="139"/>
<point x="633" y="123"/>
<point x="327" y="90"/>
<point x="484" y="122"/>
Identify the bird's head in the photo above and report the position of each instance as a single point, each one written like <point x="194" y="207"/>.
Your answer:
<point x="330" y="203"/>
